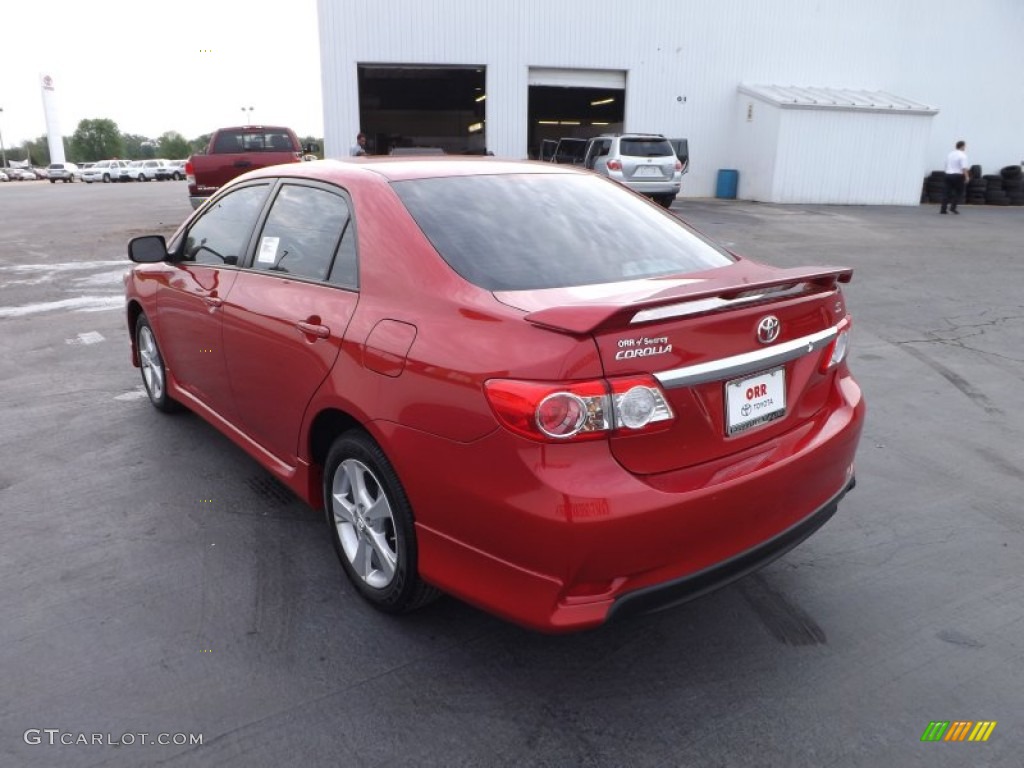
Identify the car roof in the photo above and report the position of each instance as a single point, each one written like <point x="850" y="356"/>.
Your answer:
<point x="408" y="168"/>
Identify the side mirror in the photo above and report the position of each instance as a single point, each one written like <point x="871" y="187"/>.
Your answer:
<point x="149" y="249"/>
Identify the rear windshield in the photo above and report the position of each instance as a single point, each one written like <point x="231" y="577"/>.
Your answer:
<point x="646" y="147"/>
<point x="526" y="231"/>
<point x="232" y="142"/>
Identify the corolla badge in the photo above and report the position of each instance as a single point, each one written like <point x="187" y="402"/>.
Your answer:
<point x="768" y="329"/>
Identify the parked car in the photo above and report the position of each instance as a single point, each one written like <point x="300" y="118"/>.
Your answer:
<point x="4" y="176"/>
<point x="19" y="174"/>
<point x="596" y="414"/>
<point x="644" y="162"/>
<point x="105" y="171"/>
<point x="150" y="170"/>
<point x="62" y="172"/>
<point x="131" y="171"/>
<point x="40" y="173"/>
<point x="177" y="169"/>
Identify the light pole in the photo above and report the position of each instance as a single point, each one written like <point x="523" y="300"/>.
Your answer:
<point x="248" y="114"/>
<point x="3" y="152"/>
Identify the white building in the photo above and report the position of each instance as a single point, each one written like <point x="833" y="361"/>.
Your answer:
<point x="504" y="76"/>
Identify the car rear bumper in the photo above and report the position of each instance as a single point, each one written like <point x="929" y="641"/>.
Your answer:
<point x="562" y="537"/>
<point x="197" y="201"/>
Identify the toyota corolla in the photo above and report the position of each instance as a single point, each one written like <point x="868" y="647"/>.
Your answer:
<point x="520" y="384"/>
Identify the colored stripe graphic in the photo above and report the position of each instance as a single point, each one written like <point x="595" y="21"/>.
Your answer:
<point x="983" y="730"/>
<point x="958" y="730"/>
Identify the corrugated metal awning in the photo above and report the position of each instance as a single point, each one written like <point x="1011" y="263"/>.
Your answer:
<point x="796" y="97"/>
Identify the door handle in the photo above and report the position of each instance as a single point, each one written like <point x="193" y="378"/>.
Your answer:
<point x="213" y="301"/>
<point x="311" y="329"/>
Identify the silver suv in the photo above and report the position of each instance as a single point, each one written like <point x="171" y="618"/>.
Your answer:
<point x="62" y="171"/>
<point x="644" y="162"/>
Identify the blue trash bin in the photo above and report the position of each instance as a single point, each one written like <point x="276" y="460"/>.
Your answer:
<point x="728" y="183"/>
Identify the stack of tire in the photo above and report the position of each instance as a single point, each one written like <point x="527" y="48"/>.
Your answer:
<point x="1013" y="184"/>
<point x="934" y="186"/>
<point x="976" y="187"/>
<point x="994" y="193"/>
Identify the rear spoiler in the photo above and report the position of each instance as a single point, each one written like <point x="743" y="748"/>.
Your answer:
<point x="714" y="293"/>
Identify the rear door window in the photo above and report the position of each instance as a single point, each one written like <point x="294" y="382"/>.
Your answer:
<point x="646" y="147"/>
<point x="533" y="231"/>
<point x="302" y="232"/>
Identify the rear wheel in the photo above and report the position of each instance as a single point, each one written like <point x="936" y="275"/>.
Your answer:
<point x="151" y="363"/>
<point x="371" y="525"/>
<point x="106" y="178"/>
<point x="141" y="177"/>
<point x="665" y="201"/>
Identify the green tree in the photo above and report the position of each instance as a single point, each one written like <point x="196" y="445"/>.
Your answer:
<point x="138" y="147"/>
<point x="200" y="143"/>
<point x="96" y="140"/>
<point x="37" y="151"/>
<point x="173" y="146"/>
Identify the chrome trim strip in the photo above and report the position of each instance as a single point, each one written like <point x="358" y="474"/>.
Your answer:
<point x="749" y="362"/>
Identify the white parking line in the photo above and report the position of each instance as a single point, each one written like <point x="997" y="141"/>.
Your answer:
<point x="79" y="304"/>
<point x="89" y="337"/>
<point x="139" y="393"/>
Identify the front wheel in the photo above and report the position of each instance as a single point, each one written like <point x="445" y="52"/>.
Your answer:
<point x="141" y="177"/>
<point x="106" y="178"/>
<point x="151" y="363"/>
<point x="371" y="525"/>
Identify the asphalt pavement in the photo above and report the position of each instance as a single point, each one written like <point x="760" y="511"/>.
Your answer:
<point x="155" y="580"/>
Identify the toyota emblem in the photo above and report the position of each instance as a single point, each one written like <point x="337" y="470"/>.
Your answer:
<point x="768" y="329"/>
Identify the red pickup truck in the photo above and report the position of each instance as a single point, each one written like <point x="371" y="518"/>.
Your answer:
<point x="233" y="151"/>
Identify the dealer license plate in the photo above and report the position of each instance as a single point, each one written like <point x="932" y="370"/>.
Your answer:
<point x="647" y="170"/>
<point x="755" y="400"/>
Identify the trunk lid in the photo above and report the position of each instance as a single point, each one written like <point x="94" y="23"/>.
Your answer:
<point x="696" y="335"/>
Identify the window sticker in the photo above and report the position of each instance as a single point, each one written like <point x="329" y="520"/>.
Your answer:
<point x="268" y="250"/>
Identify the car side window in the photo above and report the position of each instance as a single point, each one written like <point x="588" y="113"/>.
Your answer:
<point x="221" y="234"/>
<point x="345" y="271"/>
<point x="302" y="232"/>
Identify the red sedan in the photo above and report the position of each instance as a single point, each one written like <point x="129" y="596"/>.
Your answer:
<point x="521" y="384"/>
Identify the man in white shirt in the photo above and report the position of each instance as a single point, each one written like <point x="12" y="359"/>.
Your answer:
<point x="958" y="170"/>
<point x="359" y="148"/>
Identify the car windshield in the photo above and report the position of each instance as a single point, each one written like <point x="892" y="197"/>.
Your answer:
<point x="646" y="147"/>
<point x="533" y="231"/>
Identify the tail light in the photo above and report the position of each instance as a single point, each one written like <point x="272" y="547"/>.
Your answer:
<point x="614" y="165"/>
<point x="581" y="410"/>
<point x="835" y="352"/>
<point x="679" y="166"/>
<point x="190" y="173"/>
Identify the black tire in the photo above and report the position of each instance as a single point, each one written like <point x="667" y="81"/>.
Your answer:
<point x="151" y="364"/>
<point x="53" y="181"/>
<point x="377" y="550"/>
<point x="665" y="201"/>
<point x="141" y="177"/>
<point x="106" y="178"/>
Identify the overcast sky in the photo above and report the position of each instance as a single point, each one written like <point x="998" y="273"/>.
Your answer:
<point x="182" y="65"/>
